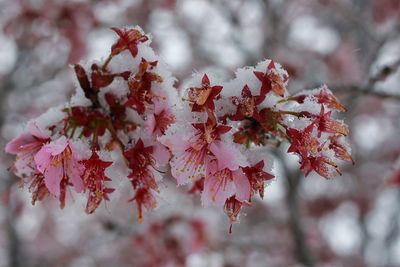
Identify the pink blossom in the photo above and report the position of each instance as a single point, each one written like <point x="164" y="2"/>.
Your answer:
<point x="25" y="147"/>
<point x="161" y="154"/>
<point x="58" y="161"/>
<point x="219" y="185"/>
<point x="188" y="162"/>
<point x="158" y="122"/>
<point x="227" y="156"/>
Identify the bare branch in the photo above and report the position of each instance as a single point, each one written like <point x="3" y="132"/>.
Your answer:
<point x="302" y="251"/>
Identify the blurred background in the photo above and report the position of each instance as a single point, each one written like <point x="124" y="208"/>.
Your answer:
<point x="351" y="45"/>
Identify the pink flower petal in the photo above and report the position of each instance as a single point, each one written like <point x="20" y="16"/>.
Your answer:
<point x="160" y="103"/>
<point x="150" y="124"/>
<point x="188" y="165"/>
<point x="218" y="185"/>
<point x="75" y="175"/>
<point x="242" y="185"/>
<point x="211" y="165"/>
<point x="225" y="155"/>
<point x="52" y="178"/>
<point x="217" y="190"/>
<point x="174" y="143"/>
<point x="36" y="131"/>
<point x="161" y="154"/>
<point x="17" y="144"/>
<point x="58" y="146"/>
<point x="43" y="158"/>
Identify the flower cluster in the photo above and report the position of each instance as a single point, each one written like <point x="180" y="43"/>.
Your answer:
<point x="126" y="114"/>
<point x="121" y="105"/>
<point x="221" y="142"/>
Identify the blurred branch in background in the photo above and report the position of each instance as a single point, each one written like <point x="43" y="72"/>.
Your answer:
<point x="9" y="208"/>
<point x="292" y="182"/>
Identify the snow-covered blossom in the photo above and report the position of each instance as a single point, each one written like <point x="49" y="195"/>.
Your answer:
<point x="129" y="38"/>
<point x="127" y="105"/>
<point x="202" y="98"/>
<point x="220" y="184"/>
<point x="143" y="162"/>
<point x="191" y="152"/>
<point x="58" y="161"/>
<point x="243" y="114"/>
<point x="25" y="146"/>
<point x="94" y="180"/>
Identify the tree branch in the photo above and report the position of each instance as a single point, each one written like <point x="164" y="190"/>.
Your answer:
<point x="301" y="249"/>
<point x="354" y="89"/>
